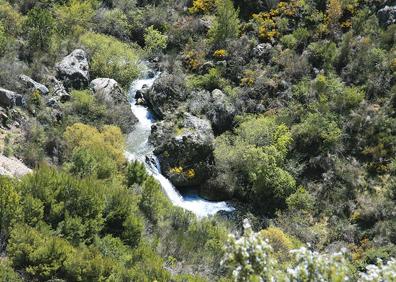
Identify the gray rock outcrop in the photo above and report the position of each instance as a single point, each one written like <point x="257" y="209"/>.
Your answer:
<point x="9" y="98"/>
<point x="167" y="93"/>
<point x="73" y="70"/>
<point x="12" y="167"/>
<point x="387" y="15"/>
<point x="216" y="106"/>
<point x="110" y="92"/>
<point x="31" y="84"/>
<point x="184" y="150"/>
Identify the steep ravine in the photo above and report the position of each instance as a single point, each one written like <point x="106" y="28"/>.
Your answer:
<point x="139" y="148"/>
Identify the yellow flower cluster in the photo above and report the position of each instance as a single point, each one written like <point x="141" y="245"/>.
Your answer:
<point x="176" y="170"/>
<point x="267" y="20"/>
<point x="202" y="6"/>
<point x="190" y="173"/>
<point x="220" y="54"/>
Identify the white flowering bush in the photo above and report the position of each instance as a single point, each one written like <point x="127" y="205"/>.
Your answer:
<point x="313" y="266"/>
<point x="251" y="258"/>
<point x="380" y="272"/>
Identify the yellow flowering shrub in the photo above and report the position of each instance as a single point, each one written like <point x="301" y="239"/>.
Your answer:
<point x="190" y="173"/>
<point x="266" y="21"/>
<point x="202" y="6"/>
<point x="176" y="170"/>
<point x="220" y="54"/>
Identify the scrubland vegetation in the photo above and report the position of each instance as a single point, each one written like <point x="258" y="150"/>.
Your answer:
<point x="304" y="141"/>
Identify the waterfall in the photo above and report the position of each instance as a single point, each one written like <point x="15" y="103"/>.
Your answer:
<point x="139" y="148"/>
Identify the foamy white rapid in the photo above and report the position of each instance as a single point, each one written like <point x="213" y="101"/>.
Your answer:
<point x="138" y="148"/>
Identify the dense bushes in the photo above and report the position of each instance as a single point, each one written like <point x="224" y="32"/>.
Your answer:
<point x="110" y="57"/>
<point x="252" y="161"/>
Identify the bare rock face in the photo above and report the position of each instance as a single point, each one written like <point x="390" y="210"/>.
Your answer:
<point x="166" y="95"/>
<point x="8" y="98"/>
<point x="387" y="15"/>
<point x="12" y="167"/>
<point x="216" y="106"/>
<point x="110" y="92"/>
<point x="31" y="84"/>
<point x="184" y="150"/>
<point x="73" y="70"/>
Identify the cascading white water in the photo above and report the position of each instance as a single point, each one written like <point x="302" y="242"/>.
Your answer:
<point x="138" y="148"/>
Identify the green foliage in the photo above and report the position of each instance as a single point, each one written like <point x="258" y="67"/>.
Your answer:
<point x="154" y="40"/>
<point x="11" y="19"/>
<point x="153" y="202"/>
<point x="252" y="161"/>
<point x="7" y="274"/>
<point x="74" y="17"/>
<point x="136" y="173"/>
<point x="317" y="133"/>
<point x="226" y="23"/>
<point x="10" y="206"/>
<point x="300" y="200"/>
<point x="39" y="27"/>
<point x="94" y="152"/>
<point x="3" y="40"/>
<point x="210" y="81"/>
<point x="111" y="57"/>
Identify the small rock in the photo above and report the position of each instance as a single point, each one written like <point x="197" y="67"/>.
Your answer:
<point x="206" y="67"/>
<point x="73" y="70"/>
<point x="30" y="83"/>
<point x="150" y="74"/>
<point x="262" y="51"/>
<point x="65" y="97"/>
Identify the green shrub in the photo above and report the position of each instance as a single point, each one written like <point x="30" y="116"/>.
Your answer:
<point x="289" y="41"/>
<point x="226" y="23"/>
<point x="154" y="40"/>
<point x="111" y="58"/>
<point x="251" y="161"/>
<point x="39" y="27"/>
<point x="10" y="206"/>
<point x="136" y="173"/>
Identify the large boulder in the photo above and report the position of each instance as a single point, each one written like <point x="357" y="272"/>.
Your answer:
<point x="73" y="70"/>
<point x="110" y="92"/>
<point x="12" y="167"/>
<point x="184" y="149"/>
<point x="31" y="84"/>
<point x="216" y="106"/>
<point x="9" y="98"/>
<point x="387" y="15"/>
<point x="167" y="93"/>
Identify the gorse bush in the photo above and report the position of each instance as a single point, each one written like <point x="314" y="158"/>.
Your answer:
<point x="110" y="57"/>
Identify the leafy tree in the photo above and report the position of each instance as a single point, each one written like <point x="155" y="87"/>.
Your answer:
<point x="226" y="24"/>
<point x="95" y="152"/>
<point x="39" y="27"/>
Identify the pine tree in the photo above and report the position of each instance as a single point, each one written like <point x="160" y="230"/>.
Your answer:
<point x="226" y="24"/>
